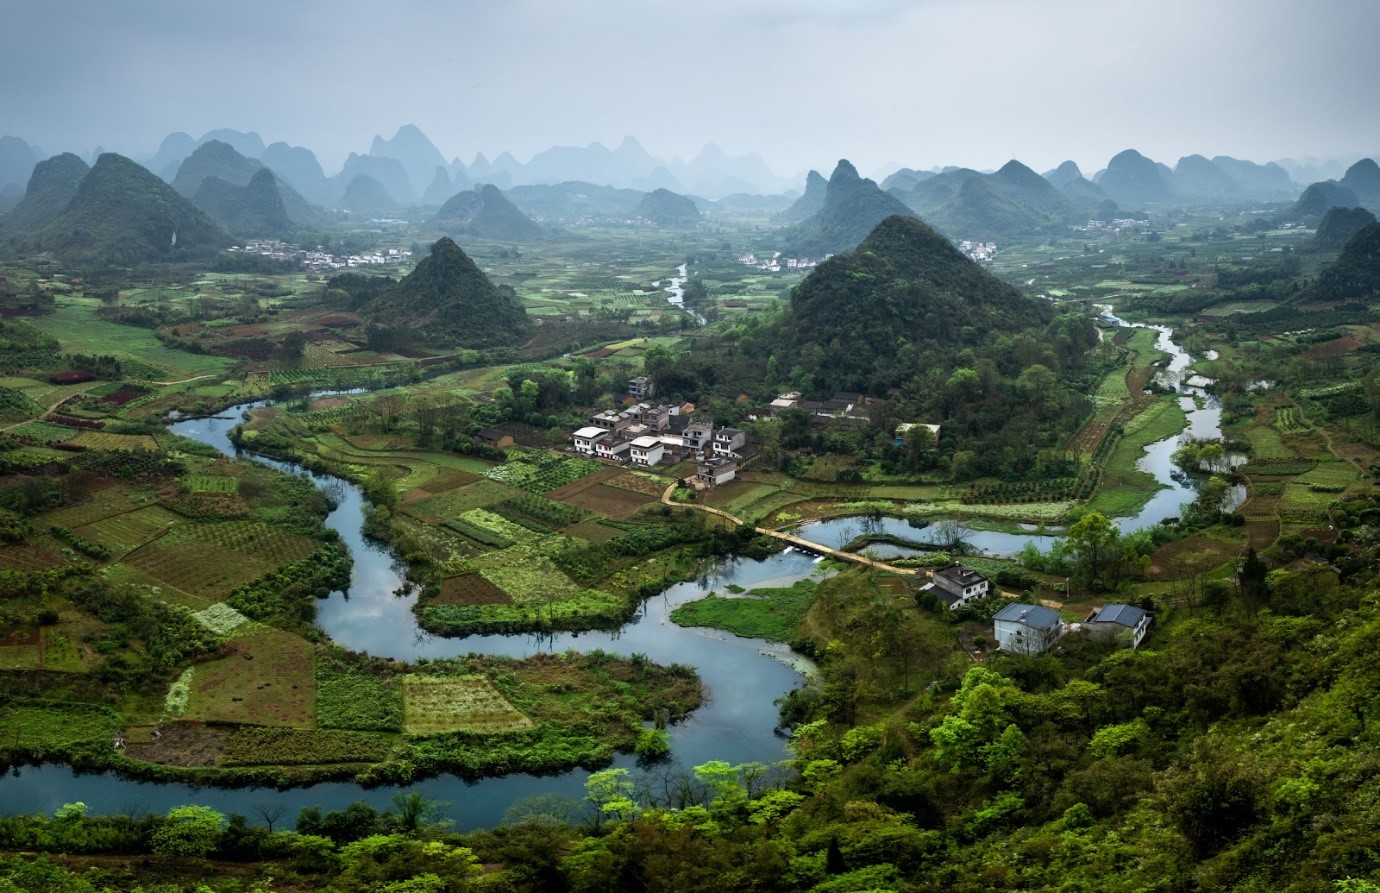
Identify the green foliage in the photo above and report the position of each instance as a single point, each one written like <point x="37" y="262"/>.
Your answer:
<point x="188" y="831"/>
<point x="905" y="285"/>
<point x="773" y="614"/>
<point x="447" y="299"/>
<point x="353" y="693"/>
<point x="485" y="212"/>
<point x="851" y="208"/>
<point x="124" y="215"/>
<point x="288" y="594"/>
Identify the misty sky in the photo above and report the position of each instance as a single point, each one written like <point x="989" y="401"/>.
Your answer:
<point x="802" y="82"/>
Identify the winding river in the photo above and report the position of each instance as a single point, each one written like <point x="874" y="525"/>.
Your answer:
<point x="743" y="676"/>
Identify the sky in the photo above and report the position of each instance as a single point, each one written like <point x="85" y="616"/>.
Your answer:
<point x="884" y="83"/>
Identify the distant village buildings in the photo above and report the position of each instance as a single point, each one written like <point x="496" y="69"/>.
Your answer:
<point x="646" y="435"/>
<point x="318" y="261"/>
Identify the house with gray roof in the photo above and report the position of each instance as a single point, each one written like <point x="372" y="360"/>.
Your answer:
<point x="1118" y="623"/>
<point x="1027" y="629"/>
<point x="957" y="585"/>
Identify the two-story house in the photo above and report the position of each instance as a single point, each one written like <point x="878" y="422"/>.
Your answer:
<point x="957" y="585"/>
<point x="646" y="451"/>
<point x="1118" y="623"/>
<point x="728" y="441"/>
<point x="698" y="435"/>
<point x="586" y="438"/>
<point x="1027" y="629"/>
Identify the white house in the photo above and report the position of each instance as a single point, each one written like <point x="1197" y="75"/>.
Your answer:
<point x="698" y="434"/>
<point x="957" y="585"/>
<point x="716" y="471"/>
<point x="615" y="449"/>
<point x="1118" y="623"/>
<point x="647" y="451"/>
<point x="1027" y="629"/>
<point x="586" y="438"/>
<point x="728" y="441"/>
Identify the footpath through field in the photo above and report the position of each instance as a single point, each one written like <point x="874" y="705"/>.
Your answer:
<point x="798" y="542"/>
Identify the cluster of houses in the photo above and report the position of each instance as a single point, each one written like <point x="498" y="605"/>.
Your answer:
<point x="318" y="261"/>
<point x="1034" y="629"/>
<point x="776" y="263"/>
<point x="648" y="434"/>
<point x="845" y="406"/>
<point x="978" y="251"/>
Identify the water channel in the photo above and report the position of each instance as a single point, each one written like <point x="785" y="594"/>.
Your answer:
<point x="743" y="676"/>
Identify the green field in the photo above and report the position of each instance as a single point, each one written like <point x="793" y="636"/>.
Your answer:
<point x="773" y="613"/>
<point x="77" y="329"/>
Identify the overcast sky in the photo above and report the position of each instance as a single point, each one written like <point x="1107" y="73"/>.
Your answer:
<point x="801" y="82"/>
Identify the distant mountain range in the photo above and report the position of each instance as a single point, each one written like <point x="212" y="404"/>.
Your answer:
<point x="568" y="185"/>
<point x="851" y="208"/>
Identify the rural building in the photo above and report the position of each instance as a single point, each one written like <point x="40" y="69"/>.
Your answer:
<point x="957" y="585"/>
<point x="783" y="402"/>
<point x="586" y="438"/>
<point x="610" y="421"/>
<point x="641" y="387"/>
<point x="647" y="451"/>
<point x="613" y="448"/>
<point x="1118" y="623"/>
<point x="494" y="438"/>
<point x="1027" y="629"/>
<point x="728" y="441"/>
<point x="904" y="427"/>
<point x="698" y="435"/>
<point x="658" y="418"/>
<point x="716" y="471"/>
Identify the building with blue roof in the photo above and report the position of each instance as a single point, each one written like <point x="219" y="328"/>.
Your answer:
<point x="1027" y="629"/>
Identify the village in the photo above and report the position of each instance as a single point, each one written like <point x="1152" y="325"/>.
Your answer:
<point x="317" y="260"/>
<point x="646" y="434"/>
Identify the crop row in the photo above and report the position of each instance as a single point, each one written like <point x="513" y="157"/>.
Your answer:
<point x="1277" y="467"/>
<point x="261" y="746"/>
<point x="1053" y="490"/>
<point x="80" y="543"/>
<point x="543" y="475"/>
<point x="539" y="513"/>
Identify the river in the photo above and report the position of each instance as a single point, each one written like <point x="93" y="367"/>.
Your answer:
<point x="737" y="723"/>
<point x="1177" y="489"/>
<point x="743" y="676"/>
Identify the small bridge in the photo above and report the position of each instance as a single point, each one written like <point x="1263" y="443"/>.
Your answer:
<point x="802" y="544"/>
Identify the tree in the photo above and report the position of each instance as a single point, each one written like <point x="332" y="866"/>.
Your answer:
<point x="188" y="831"/>
<point x="294" y="346"/>
<point x="1091" y="542"/>
<point x="270" y="813"/>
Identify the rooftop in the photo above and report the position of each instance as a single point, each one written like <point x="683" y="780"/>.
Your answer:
<point x="1124" y="615"/>
<point x="1033" y="616"/>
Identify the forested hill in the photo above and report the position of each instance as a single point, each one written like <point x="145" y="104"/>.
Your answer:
<point x="905" y="284"/>
<point x="666" y="208"/>
<point x="852" y="207"/>
<point x="1354" y="276"/>
<point x="52" y="186"/>
<point x="486" y="212"/>
<point x="123" y="214"/>
<point x="448" y="301"/>
<point x="1337" y="227"/>
<point x="255" y="210"/>
<point x="810" y="202"/>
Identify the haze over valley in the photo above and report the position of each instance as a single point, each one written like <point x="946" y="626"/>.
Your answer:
<point x="922" y="447"/>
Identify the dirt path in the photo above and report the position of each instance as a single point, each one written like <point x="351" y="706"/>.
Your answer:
<point x="798" y="542"/>
<point x="42" y="415"/>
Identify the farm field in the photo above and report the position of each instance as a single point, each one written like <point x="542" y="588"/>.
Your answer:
<point x="76" y="327"/>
